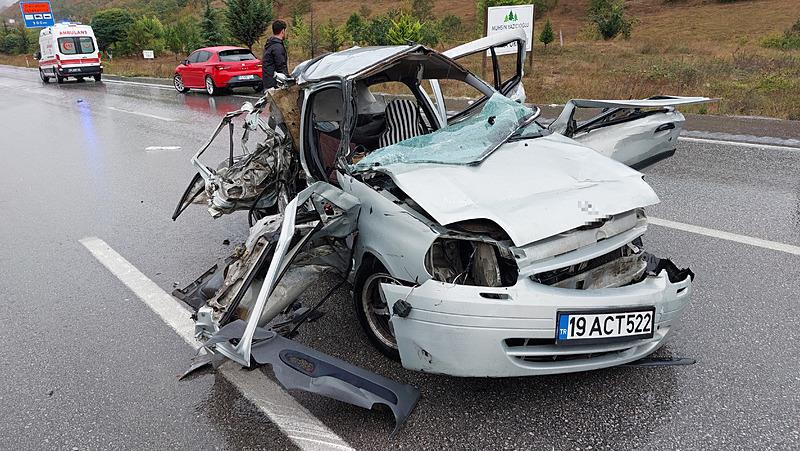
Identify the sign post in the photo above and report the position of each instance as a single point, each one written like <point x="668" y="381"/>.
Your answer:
<point x="37" y="14"/>
<point x="504" y="18"/>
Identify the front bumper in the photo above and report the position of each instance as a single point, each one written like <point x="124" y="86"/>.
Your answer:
<point x="79" y="71"/>
<point x="503" y="332"/>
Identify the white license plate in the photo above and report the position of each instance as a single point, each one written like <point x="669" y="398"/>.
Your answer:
<point x="246" y="77"/>
<point x="598" y="325"/>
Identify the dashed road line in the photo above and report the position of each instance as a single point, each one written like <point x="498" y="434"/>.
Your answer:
<point x="298" y="424"/>
<point x="153" y="149"/>
<point x="739" y="144"/>
<point x="139" y="113"/>
<point x="165" y="87"/>
<point x="743" y="239"/>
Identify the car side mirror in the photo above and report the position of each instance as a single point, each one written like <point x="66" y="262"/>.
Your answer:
<point x="186" y="62"/>
<point x="37" y="55"/>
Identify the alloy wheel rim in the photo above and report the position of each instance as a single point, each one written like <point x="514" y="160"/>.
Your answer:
<point x="178" y="83"/>
<point x="376" y="309"/>
<point x="209" y="86"/>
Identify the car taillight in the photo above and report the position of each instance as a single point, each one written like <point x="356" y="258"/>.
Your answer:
<point x="221" y="67"/>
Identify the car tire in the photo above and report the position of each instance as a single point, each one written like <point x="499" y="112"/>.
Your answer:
<point x="98" y="77"/>
<point x="177" y="82"/>
<point x="211" y="89"/>
<point x="45" y="78"/>
<point x="372" y="311"/>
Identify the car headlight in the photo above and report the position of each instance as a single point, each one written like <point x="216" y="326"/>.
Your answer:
<point x="471" y="262"/>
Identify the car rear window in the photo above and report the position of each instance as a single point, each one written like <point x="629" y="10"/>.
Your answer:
<point x="76" y="45"/>
<point x="227" y="56"/>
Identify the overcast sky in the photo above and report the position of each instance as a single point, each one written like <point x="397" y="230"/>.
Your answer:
<point x="4" y="3"/>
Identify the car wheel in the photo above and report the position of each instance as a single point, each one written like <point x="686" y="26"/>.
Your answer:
<point x="373" y="311"/>
<point x="177" y="81"/>
<point x="98" y="77"/>
<point x="44" y="77"/>
<point x="210" y="88"/>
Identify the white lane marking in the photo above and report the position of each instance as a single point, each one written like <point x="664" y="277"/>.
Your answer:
<point x="297" y="423"/>
<point x="152" y="149"/>
<point x="740" y="144"/>
<point x="744" y="239"/>
<point x="138" y="83"/>
<point x="138" y="113"/>
<point x="166" y="87"/>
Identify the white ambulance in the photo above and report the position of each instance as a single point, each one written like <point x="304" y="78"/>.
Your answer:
<point x="68" y="49"/>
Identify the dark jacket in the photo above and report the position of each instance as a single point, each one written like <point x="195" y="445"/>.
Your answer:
<point x="274" y="60"/>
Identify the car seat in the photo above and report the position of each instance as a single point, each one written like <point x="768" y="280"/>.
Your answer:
<point x="402" y="122"/>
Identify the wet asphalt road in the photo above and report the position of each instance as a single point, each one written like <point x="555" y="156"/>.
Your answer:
<point x="89" y="366"/>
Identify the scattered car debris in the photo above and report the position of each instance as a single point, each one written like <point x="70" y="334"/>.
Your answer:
<point x="478" y="242"/>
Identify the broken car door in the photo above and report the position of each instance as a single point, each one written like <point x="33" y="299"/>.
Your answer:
<point x="507" y="70"/>
<point x="637" y="133"/>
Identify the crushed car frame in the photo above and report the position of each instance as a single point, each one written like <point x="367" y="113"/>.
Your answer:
<point x="478" y="241"/>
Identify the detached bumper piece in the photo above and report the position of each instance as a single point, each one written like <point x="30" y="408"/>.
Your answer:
<point x="299" y="367"/>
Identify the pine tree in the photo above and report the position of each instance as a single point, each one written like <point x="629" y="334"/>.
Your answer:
<point x="248" y="19"/>
<point x="211" y="32"/>
<point x="547" y="36"/>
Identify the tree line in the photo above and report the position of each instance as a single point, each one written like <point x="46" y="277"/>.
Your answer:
<point x="245" y="22"/>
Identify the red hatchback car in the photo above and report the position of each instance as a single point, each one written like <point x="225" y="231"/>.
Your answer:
<point x="217" y="68"/>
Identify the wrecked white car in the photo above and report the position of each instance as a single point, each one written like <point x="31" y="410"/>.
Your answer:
<point x="478" y="241"/>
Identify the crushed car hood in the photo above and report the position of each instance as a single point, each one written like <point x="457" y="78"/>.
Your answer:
<point x="533" y="188"/>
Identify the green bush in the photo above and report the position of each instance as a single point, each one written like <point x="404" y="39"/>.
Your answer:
<point x="111" y="26"/>
<point x="331" y="36"/>
<point x="377" y="31"/>
<point x="404" y="29"/>
<point x="609" y="18"/>
<point x="145" y="33"/>
<point x="183" y="37"/>
<point x="789" y="40"/>
<point x="356" y="28"/>
<point x="451" y="28"/>
<point x="10" y="44"/>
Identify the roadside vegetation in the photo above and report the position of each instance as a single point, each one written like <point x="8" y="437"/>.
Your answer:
<point x="746" y="52"/>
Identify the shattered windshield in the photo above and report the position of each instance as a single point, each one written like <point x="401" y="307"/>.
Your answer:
<point x="465" y="142"/>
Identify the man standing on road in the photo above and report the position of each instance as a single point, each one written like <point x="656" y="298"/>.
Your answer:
<point x="274" y="59"/>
